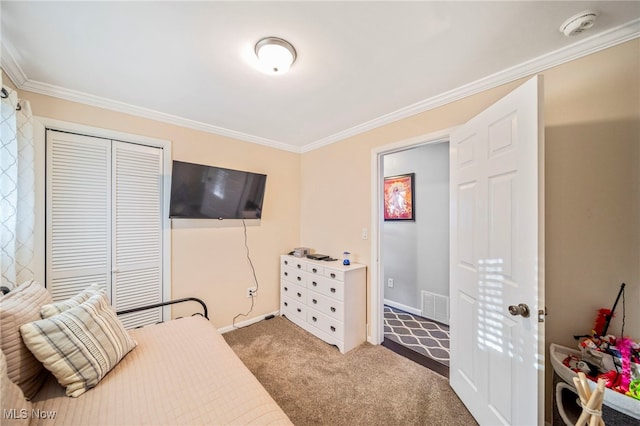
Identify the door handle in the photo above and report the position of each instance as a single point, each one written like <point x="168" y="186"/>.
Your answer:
<point x="521" y="309"/>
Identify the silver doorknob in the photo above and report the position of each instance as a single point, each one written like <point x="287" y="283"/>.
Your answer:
<point x="521" y="309"/>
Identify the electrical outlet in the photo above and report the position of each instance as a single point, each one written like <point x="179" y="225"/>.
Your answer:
<point x="390" y="282"/>
<point x="365" y="234"/>
<point x="252" y="291"/>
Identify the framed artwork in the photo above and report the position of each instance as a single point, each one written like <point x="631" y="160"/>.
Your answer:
<point x="398" y="197"/>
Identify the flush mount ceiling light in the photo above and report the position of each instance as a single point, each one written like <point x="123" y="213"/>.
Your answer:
<point x="275" y="54"/>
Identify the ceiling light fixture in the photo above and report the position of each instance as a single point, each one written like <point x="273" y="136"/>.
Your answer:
<point x="275" y="54"/>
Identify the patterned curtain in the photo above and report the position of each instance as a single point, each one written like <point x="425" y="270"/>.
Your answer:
<point x="17" y="190"/>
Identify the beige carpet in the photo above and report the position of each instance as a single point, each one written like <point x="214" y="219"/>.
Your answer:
<point x="370" y="385"/>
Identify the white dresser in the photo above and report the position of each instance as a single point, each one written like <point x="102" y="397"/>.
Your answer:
<point x="327" y="299"/>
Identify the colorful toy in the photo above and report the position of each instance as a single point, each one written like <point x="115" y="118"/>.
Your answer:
<point x="601" y="321"/>
<point x="634" y="389"/>
<point x="624" y="346"/>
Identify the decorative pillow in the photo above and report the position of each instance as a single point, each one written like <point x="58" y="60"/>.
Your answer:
<point x="15" y="409"/>
<point x="22" y="305"/>
<point x="54" y="308"/>
<point x="80" y="345"/>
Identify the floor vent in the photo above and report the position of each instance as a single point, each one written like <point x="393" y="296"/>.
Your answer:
<point x="435" y="307"/>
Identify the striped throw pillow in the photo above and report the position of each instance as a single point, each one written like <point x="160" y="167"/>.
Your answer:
<point x="54" y="308"/>
<point x="80" y="345"/>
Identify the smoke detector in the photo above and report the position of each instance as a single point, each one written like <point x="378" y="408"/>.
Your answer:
<point x="578" y="23"/>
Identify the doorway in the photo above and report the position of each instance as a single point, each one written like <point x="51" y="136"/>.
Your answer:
<point x="414" y="254"/>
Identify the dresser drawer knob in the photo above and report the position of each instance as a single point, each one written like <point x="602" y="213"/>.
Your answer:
<point x="286" y="274"/>
<point x="299" y="278"/>
<point x="286" y="304"/>
<point x="299" y="310"/>
<point x="314" y="319"/>
<point x="315" y="302"/>
<point x="333" y="275"/>
<point x="299" y="295"/>
<point x="299" y="266"/>
<point x="286" y="289"/>
<point x="286" y="262"/>
<point x="333" y="290"/>
<point x="314" y="270"/>
<point x="333" y="329"/>
<point x="333" y="309"/>
<point x="315" y="284"/>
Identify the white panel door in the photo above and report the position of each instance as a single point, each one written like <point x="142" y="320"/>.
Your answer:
<point x="497" y="212"/>
<point x="78" y="213"/>
<point x="137" y="231"/>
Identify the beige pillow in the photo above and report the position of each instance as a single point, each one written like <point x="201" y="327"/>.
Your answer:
<point x="80" y="345"/>
<point x="19" y="306"/>
<point x="15" y="409"/>
<point x="54" y="308"/>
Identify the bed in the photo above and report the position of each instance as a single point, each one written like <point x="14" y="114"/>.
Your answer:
<point x="179" y="372"/>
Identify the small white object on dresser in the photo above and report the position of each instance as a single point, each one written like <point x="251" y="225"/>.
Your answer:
<point x="328" y="299"/>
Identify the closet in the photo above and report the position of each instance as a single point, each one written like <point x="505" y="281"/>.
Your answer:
<point x="104" y="223"/>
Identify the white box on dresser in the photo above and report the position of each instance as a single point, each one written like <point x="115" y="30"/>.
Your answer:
<point x="328" y="299"/>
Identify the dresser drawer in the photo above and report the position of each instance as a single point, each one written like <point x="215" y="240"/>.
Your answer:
<point x="334" y="274"/>
<point x="330" y="326"/>
<point x="327" y="287"/>
<point x="293" y="262"/>
<point x="293" y="275"/>
<point x="314" y="269"/>
<point x="293" y="291"/>
<point x="291" y="307"/>
<point x="325" y="305"/>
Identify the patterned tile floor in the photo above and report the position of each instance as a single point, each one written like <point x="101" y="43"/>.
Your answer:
<point x="419" y="334"/>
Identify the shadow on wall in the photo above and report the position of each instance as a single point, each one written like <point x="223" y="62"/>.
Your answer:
<point x="592" y="214"/>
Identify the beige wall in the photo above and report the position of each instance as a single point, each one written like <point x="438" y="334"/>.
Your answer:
<point x="592" y="165"/>
<point x="208" y="257"/>
<point x="322" y="200"/>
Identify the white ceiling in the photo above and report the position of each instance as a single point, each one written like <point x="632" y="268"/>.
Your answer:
<point x="360" y="64"/>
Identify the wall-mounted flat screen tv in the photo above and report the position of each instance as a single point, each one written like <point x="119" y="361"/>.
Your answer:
<point x="208" y="192"/>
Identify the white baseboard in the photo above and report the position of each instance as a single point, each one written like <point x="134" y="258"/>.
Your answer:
<point x="402" y="307"/>
<point x="247" y="322"/>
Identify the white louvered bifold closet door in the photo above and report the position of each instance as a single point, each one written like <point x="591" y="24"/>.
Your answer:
<point x="137" y="224"/>
<point x="104" y="221"/>
<point x="78" y="213"/>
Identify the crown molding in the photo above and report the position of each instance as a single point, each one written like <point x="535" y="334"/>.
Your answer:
<point x="11" y="67"/>
<point x="615" y="36"/>
<point x="595" y="43"/>
<point x="15" y="73"/>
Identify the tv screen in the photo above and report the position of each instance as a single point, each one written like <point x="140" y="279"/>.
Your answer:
<point x="208" y="192"/>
